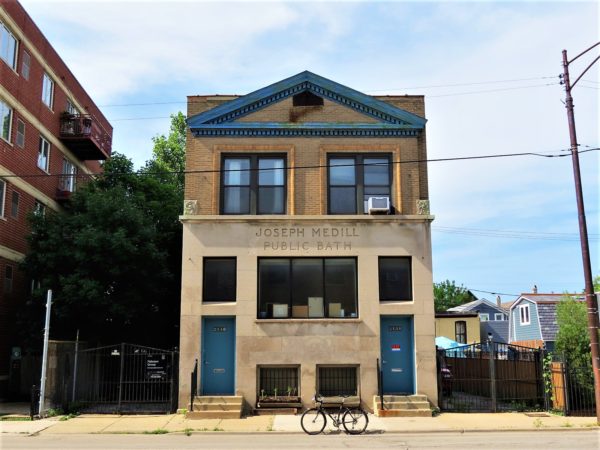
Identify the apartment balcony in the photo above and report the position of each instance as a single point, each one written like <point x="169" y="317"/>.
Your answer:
<point x="62" y="195"/>
<point x="85" y="136"/>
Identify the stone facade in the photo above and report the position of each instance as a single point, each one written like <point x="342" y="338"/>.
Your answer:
<point x="307" y="230"/>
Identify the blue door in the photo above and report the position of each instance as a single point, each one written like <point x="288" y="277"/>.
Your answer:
<point x="397" y="355"/>
<point x="218" y="356"/>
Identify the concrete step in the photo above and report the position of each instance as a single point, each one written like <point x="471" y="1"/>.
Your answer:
<point x="275" y="411"/>
<point x="402" y="398"/>
<point x="217" y="407"/>
<point x="405" y="405"/>
<point x="205" y="399"/>
<point x="213" y="415"/>
<point x="403" y="413"/>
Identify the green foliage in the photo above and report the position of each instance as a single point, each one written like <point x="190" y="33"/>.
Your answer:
<point x="113" y="256"/>
<point x="448" y="295"/>
<point x="572" y="338"/>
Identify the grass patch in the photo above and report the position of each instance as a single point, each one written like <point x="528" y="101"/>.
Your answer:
<point x="217" y="429"/>
<point x="188" y="431"/>
<point x="567" y="424"/>
<point x="15" y="419"/>
<point x="157" y="431"/>
<point x="69" y="416"/>
<point x="538" y="423"/>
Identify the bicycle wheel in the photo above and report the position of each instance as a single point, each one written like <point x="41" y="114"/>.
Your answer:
<point x="355" y="420"/>
<point x="313" y="421"/>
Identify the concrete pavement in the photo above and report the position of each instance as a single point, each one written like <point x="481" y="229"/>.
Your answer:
<point x="177" y="423"/>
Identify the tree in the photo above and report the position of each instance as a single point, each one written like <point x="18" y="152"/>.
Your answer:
<point x="572" y="338"/>
<point x="113" y="256"/>
<point x="448" y="295"/>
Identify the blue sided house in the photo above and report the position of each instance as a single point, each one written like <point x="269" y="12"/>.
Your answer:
<point x="493" y="318"/>
<point x="532" y="320"/>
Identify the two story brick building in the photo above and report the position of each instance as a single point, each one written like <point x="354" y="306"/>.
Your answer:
<point x="306" y="245"/>
<point x="51" y="138"/>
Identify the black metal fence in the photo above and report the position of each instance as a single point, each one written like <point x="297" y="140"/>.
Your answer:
<point x="490" y="377"/>
<point x="123" y="378"/>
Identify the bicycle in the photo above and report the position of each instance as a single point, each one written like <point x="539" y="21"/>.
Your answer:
<point x="354" y="419"/>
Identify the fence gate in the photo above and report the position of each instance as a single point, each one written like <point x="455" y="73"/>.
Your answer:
<point x="572" y="388"/>
<point x="490" y="377"/>
<point x="123" y="378"/>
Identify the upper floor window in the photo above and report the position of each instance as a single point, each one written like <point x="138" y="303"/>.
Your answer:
<point x="5" y="121"/>
<point x="524" y="314"/>
<point x="8" y="47"/>
<point x="395" y="278"/>
<point x="39" y="209"/>
<point x="14" y="210"/>
<point x="460" y="329"/>
<point x="71" y="108"/>
<point x="43" y="154"/>
<point x="353" y="179"/>
<point x="498" y="316"/>
<point x="2" y="196"/>
<point x="484" y="317"/>
<point x="25" y="65"/>
<point x="8" y="279"/>
<point x="20" y="139"/>
<point x="253" y="184"/>
<point x="47" y="90"/>
<point x="307" y="288"/>
<point x="67" y="181"/>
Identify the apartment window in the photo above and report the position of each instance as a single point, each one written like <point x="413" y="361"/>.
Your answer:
<point x="395" y="278"/>
<point x="47" y="90"/>
<point x="498" y="316"/>
<point x="282" y="380"/>
<point x="353" y="179"/>
<point x="254" y="184"/>
<point x="337" y="380"/>
<point x="5" y="121"/>
<point x="8" y="47"/>
<point x="43" y="154"/>
<point x="39" y="209"/>
<point x="219" y="280"/>
<point x="483" y="317"/>
<point x="20" y="140"/>
<point x="8" y="279"/>
<point x="307" y="288"/>
<point x="460" y="331"/>
<point x="67" y="181"/>
<point x="14" y="208"/>
<point x="2" y="196"/>
<point x="71" y="108"/>
<point x="524" y="314"/>
<point x="25" y="65"/>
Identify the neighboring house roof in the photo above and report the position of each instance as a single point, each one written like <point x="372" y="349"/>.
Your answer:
<point x="222" y="120"/>
<point x="442" y="315"/>
<point x="475" y="306"/>
<point x="546" y="309"/>
<point x="498" y="328"/>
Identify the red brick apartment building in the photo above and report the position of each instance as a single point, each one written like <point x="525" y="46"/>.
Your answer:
<point x="51" y="136"/>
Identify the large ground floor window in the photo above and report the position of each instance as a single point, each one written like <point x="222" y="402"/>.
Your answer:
<point x="307" y="288"/>
<point x="337" y="380"/>
<point x="274" y="382"/>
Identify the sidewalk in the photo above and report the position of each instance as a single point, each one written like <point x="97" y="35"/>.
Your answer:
<point x="177" y="423"/>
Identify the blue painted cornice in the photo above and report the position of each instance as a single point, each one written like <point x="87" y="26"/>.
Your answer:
<point x="219" y="121"/>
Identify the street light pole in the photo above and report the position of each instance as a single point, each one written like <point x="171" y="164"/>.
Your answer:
<point x="590" y="297"/>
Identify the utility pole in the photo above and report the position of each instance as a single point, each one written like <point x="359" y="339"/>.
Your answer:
<point x="45" y="353"/>
<point x="590" y="297"/>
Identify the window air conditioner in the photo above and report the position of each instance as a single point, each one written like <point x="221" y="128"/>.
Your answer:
<point x="378" y="205"/>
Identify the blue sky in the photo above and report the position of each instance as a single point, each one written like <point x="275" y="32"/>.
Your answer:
<point x="157" y="53"/>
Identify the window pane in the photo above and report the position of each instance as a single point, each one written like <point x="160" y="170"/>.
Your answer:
<point x="342" y="200"/>
<point x="2" y="192"/>
<point x="236" y="200"/>
<point x="219" y="281"/>
<point x="270" y="200"/>
<point x="5" y="120"/>
<point x="342" y="172"/>
<point x="273" y="285"/>
<point x="271" y="172"/>
<point x="335" y="381"/>
<point x="340" y="287"/>
<point x="395" y="279"/>
<point x="239" y="175"/>
<point x="307" y="285"/>
<point x="377" y="174"/>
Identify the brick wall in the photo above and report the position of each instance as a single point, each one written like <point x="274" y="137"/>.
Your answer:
<point x="307" y="188"/>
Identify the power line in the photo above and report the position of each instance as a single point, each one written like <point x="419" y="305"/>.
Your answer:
<point x="494" y="293"/>
<point x="318" y="166"/>
<point x="510" y="234"/>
